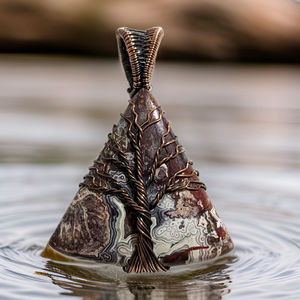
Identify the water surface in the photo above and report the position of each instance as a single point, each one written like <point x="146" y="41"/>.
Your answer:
<point x="239" y="124"/>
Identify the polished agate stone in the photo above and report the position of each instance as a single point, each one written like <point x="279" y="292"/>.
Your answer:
<point x="142" y="205"/>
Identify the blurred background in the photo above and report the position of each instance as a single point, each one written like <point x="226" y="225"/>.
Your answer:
<point x="232" y="30"/>
<point x="218" y="65"/>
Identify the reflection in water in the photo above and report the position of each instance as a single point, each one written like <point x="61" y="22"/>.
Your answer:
<point x="88" y="282"/>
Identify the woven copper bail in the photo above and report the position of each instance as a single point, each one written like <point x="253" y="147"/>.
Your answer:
<point x="137" y="51"/>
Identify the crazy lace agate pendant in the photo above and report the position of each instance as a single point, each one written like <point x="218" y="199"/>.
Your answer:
<point x="142" y="205"/>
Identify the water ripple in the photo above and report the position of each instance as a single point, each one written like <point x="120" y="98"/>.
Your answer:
<point x="264" y="265"/>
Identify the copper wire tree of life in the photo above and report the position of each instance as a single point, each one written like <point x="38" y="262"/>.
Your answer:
<point x="143" y="258"/>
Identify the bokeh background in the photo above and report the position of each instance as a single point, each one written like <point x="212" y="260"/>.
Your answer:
<point x="234" y="30"/>
<point x="220" y="62"/>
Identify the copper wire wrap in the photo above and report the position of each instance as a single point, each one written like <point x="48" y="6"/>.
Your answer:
<point x="137" y="51"/>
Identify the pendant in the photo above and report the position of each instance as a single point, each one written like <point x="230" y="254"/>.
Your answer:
<point x="142" y="205"/>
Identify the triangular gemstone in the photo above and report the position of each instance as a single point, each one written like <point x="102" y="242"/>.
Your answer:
<point x="142" y="205"/>
<point x="142" y="176"/>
